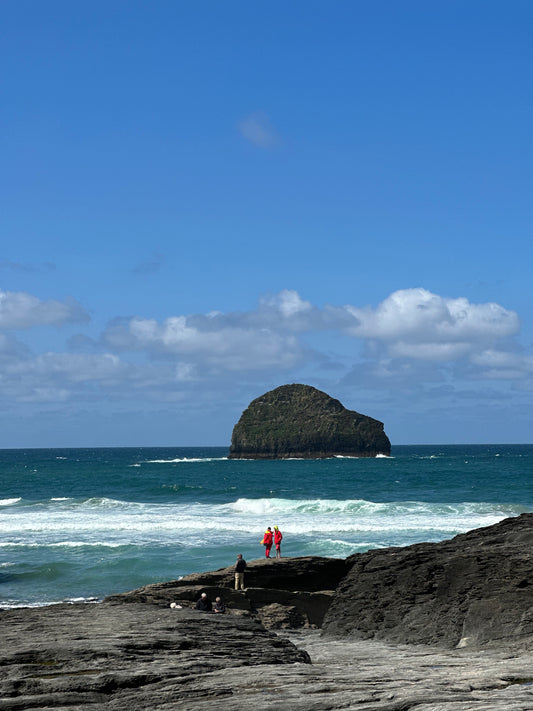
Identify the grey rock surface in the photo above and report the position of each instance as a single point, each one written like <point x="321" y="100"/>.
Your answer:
<point x="475" y="589"/>
<point x="109" y="656"/>
<point x="377" y="676"/>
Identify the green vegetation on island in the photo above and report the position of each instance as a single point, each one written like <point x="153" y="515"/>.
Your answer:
<point x="299" y="421"/>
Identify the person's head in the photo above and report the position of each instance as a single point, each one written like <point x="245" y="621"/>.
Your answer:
<point x="204" y="594"/>
<point x="218" y="599"/>
<point x="275" y="528"/>
<point x="239" y="555"/>
<point x="269" y="529"/>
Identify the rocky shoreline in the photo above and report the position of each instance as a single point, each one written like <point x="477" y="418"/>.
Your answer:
<point x="133" y="651"/>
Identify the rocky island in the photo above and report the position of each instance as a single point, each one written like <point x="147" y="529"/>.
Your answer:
<point x="299" y="421"/>
<point x="429" y="627"/>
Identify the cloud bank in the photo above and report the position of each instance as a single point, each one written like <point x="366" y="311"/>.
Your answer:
<point x="19" y="310"/>
<point x="411" y="336"/>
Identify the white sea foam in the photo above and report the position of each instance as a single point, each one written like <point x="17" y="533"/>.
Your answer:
<point x="111" y="523"/>
<point x="63" y="544"/>
<point x="15" y="605"/>
<point x="10" y="502"/>
<point x="180" y="460"/>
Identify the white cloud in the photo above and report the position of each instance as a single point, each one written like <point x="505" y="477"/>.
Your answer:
<point x="288" y="303"/>
<point x="413" y="336"/>
<point x="19" y="310"/>
<point x="503" y="364"/>
<point x="256" y="129"/>
<point x="411" y="324"/>
<point x="226" y="347"/>
<point x="414" y="323"/>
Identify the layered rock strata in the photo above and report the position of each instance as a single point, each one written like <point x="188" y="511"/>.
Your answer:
<point x="299" y="421"/>
<point x="475" y="589"/>
<point x="281" y="593"/>
<point x="137" y="656"/>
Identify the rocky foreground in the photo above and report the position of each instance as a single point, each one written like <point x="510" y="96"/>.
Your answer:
<point x="133" y="651"/>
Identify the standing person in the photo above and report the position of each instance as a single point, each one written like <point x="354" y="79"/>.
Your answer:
<point x="267" y="541"/>
<point x="240" y="565"/>
<point x="277" y="541"/>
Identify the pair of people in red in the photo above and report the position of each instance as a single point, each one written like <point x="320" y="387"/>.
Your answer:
<point x="270" y="537"/>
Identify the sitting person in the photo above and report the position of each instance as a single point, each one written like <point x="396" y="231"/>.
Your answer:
<point x="219" y="605"/>
<point x="204" y="603"/>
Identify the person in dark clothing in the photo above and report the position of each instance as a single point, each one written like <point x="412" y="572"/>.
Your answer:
<point x="240" y="566"/>
<point x="219" y="606"/>
<point x="204" y="603"/>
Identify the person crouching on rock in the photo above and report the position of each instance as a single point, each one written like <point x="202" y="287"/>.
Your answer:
<point x="204" y="603"/>
<point x="267" y="542"/>
<point x="277" y="541"/>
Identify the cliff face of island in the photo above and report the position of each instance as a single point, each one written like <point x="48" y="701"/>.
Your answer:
<point x="299" y="421"/>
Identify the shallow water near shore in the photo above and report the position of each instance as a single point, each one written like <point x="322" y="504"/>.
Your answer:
<point x="80" y="524"/>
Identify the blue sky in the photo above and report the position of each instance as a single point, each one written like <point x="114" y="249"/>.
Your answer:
<point x="203" y="201"/>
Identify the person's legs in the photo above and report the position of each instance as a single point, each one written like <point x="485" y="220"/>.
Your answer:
<point x="267" y="551"/>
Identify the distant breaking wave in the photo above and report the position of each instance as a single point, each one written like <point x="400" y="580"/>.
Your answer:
<point x="180" y="460"/>
<point x="100" y="521"/>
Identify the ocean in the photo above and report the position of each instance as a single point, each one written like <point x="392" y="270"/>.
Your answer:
<point x="80" y="524"/>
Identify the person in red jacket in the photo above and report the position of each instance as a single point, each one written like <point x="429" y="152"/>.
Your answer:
<point x="267" y="541"/>
<point x="277" y="541"/>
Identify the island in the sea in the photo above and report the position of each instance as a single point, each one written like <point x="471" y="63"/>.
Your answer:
<point x="299" y="421"/>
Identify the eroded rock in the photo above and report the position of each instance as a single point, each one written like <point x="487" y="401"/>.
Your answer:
<point x="303" y="585"/>
<point x="474" y="589"/>
<point x="299" y="421"/>
<point x="124" y="656"/>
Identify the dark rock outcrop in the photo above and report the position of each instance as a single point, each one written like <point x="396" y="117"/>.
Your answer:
<point x="281" y="593"/>
<point x="137" y="656"/>
<point x="475" y="589"/>
<point x="299" y="421"/>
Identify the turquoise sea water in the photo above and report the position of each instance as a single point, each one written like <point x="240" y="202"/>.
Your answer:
<point x="79" y="524"/>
